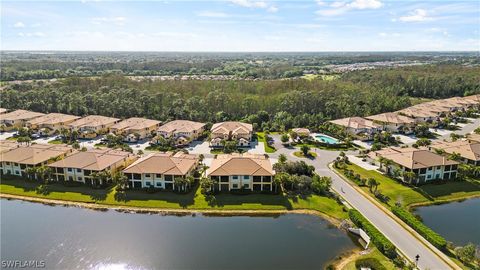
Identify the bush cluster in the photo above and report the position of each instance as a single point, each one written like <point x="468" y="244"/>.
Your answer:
<point x="378" y="239"/>
<point x="431" y="236"/>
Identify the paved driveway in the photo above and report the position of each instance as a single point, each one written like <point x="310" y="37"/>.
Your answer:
<point x="199" y="147"/>
<point x="358" y="161"/>
<point x="257" y="148"/>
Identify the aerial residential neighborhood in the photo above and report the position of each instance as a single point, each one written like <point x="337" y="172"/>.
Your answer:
<point x="240" y="134"/>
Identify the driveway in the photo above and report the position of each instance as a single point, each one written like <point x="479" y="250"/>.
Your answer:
<point x="257" y="148"/>
<point x="199" y="147"/>
<point x="90" y="143"/>
<point x="363" y="164"/>
<point x="44" y="140"/>
<point x="140" y="145"/>
<point x="410" y="139"/>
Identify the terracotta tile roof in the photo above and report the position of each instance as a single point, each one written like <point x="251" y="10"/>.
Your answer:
<point x="473" y="137"/>
<point x="95" y="159"/>
<point x="181" y="126"/>
<point x="391" y="118"/>
<point x="356" y="123"/>
<point x="413" y="158"/>
<point x="234" y="127"/>
<point x="53" y="118"/>
<point x="241" y="164"/>
<point x="6" y="145"/>
<point x="135" y="123"/>
<point x="20" y="115"/>
<point x="164" y="163"/>
<point x="418" y="111"/>
<point x="34" y="154"/>
<point x="93" y="121"/>
<point x="463" y="147"/>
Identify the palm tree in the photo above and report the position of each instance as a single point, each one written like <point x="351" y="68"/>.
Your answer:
<point x="371" y="182"/>
<point x="206" y="184"/>
<point x="189" y="180"/>
<point x="305" y="149"/>
<point x="282" y="158"/>
<point x="31" y="172"/>
<point x="409" y="175"/>
<point x="179" y="183"/>
<point x="121" y="180"/>
<point x="454" y="156"/>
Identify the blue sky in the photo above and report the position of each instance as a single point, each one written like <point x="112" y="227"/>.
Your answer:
<point x="241" y="25"/>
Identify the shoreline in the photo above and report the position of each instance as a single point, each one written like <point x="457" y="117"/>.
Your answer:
<point x="412" y="206"/>
<point x="170" y="211"/>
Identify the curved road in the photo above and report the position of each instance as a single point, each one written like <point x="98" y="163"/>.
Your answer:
<point x="400" y="237"/>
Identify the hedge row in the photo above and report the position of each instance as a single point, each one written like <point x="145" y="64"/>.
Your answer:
<point x="378" y="239"/>
<point x="418" y="226"/>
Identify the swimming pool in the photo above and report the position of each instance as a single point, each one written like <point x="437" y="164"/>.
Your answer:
<point x="326" y="139"/>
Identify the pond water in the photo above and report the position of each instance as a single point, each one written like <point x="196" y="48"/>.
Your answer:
<point x="458" y="222"/>
<point x="77" y="238"/>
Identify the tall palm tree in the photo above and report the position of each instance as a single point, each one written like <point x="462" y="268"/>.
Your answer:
<point x="455" y="156"/>
<point x="409" y="175"/>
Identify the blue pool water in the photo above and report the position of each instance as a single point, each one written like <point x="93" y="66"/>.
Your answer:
<point x="326" y="139"/>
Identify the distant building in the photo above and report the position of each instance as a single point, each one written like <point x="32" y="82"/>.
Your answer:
<point x="360" y="127"/>
<point x="242" y="171"/>
<point x="182" y="131"/>
<point x="80" y="165"/>
<point x="159" y="170"/>
<point x="425" y="165"/>
<point x="50" y="123"/>
<point x="17" y="119"/>
<point x="241" y="132"/>
<point x="393" y="122"/>
<point x="16" y="158"/>
<point x="93" y="125"/>
<point x="134" y="129"/>
<point x="420" y="114"/>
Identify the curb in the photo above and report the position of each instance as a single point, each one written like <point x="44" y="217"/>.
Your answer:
<point x="414" y="233"/>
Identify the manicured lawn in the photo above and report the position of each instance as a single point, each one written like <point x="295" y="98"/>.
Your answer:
<point x="374" y="254"/>
<point x="170" y="200"/>
<point x="261" y="138"/>
<point x="431" y="193"/>
<point x="55" y="142"/>
<point x="300" y="154"/>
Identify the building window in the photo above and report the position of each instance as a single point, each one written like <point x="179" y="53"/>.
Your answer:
<point x="159" y="184"/>
<point x="246" y="186"/>
<point x="168" y="177"/>
<point x="246" y="177"/>
<point x="79" y="170"/>
<point x="423" y="171"/>
<point x="438" y="167"/>
<point x="70" y="170"/>
<point x="235" y="177"/>
<point x="158" y="175"/>
<point x="148" y="183"/>
<point x="79" y="178"/>
<point x="448" y="167"/>
<point x="235" y="186"/>
<point x="137" y="176"/>
<point x="147" y="175"/>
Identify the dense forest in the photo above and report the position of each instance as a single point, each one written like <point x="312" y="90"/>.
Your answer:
<point x="268" y="104"/>
<point x="48" y="65"/>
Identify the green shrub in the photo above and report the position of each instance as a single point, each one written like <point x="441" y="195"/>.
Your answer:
<point x="377" y="238"/>
<point x="371" y="263"/>
<point x="431" y="236"/>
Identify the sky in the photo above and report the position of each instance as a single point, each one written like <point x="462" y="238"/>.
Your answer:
<point x="241" y="25"/>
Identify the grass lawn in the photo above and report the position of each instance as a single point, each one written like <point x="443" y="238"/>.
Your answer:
<point x="169" y="200"/>
<point x="261" y="138"/>
<point x="55" y="142"/>
<point x="300" y="154"/>
<point x="425" y="194"/>
<point x="374" y="254"/>
<point x="12" y="138"/>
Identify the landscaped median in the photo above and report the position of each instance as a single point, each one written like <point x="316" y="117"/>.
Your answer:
<point x="193" y="201"/>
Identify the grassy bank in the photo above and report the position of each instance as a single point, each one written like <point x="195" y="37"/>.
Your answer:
<point x="193" y="200"/>
<point x="262" y="138"/>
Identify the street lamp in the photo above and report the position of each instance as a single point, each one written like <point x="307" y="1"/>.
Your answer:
<point x="416" y="260"/>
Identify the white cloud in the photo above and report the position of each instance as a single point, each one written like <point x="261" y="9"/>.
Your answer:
<point x="341" y="7"/>
<point x="418" y="15"/>
<point x="33" y="34"/>
<point x="19" y="25"/>
<point x="114" y="20"/>
<point x="255" y="4"/>
<point x="212" y="14"/>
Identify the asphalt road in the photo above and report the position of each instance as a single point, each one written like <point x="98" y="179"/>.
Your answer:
<point x="400" y="237"/>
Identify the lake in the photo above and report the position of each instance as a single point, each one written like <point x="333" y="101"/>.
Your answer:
<point x="77" y="238"/>
<point x="458" y="222"/>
